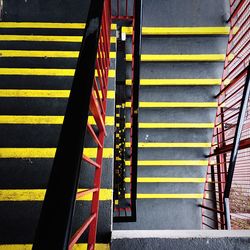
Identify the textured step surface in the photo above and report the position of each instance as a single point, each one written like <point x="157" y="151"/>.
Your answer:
<point x="177" y="109"/>
<point x="36" y="73"/>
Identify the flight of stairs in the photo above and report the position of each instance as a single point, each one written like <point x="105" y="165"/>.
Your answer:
<point x="39" y="50"/>
<point x="183" y="52"/>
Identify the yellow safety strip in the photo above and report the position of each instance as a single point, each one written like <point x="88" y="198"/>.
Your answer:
<point x="167" y="180"/>
<point x="175" y="104"/>
<point x="180" y="30"/>
<point x="41" y="53"/>
<point x="170" y="163"/>
<point x="43" y="38"/>
<point x="173" y="125"/>
<point x="40" y="119"/>
<point x="172" y="144"/>
<point x="79" y="246"/>
<point x="180" y="58"/>
<point x="43" y="93"/>
<point x="38" y="195"/>
<point x="167" y="196"/>
<point x="44" y="72"/>
<point x="167" y="82"/>
<point x="47" y="152"/>
<point x="46" y="25"/>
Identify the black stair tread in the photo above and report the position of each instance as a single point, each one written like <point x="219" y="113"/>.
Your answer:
<point x="27" y="214"/>
<point x="33" y="173"/>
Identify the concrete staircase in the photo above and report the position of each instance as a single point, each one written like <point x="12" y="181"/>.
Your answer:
<point x="183" y="52"/>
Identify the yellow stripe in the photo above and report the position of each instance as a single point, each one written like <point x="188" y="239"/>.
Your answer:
<point x="167" y="82"/>
<point x="180" y="30"/>
<point x="38" y="195"/>
<point x="173" y="125"/>
<point x="169" y="179"/>
<point x="167" y="196"/>
<point x="29" y="119"/>
<point x="42" y="93"/>
<point x="179" y="58"/>
<point x="170" y="163"/>
<point x="81" y="246"/>
<point x="43" y="38"/>
<point x="46" y="25"/>
<point x="47" y="152"/>
<point x="175" y="104"/>
<point x="42" y="53"/>
<point x="172" y="144"/>
<point x="44" y="72"/>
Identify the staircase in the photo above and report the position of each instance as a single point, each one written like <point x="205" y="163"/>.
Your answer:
<point x="39" y="48"/>
<point x="183" y="52"/>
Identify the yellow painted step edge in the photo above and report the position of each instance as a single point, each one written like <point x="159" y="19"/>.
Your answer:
<point x="174" y="82"/>
<point x="43" y="93"/>
<point x="180" y="30"/>
<point x="171" y="145"/>
<point x="42" y="53"/>
<point x="46" y="25"/>
<point x="167" y="180"/>
<point x="173" y="125"/>
<point x="170" y="163"/>
<point x="47" y="152"/>
<point x="78" y="246"/>
<point x="44" y="38"/>
<point x="44" y="72"/>
<point x="175" y="104"/>
<point x="29" y="119"/>
<point x="167" y="196"/>
<point x="180" y="58"/>
<point x="38" y="195"/>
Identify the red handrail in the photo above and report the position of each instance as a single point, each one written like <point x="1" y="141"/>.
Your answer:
<point x="228" y="112"/>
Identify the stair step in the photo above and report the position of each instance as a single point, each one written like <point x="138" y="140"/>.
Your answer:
<point x="42" y="53"/>
<point x="38" y="194"/>
<point x="45" y="25"/>
<point x="181" y="58"/>
<point x="47" y="152"/>
<point x="170" y="125"/>
<point x="167" y="180"/>
<point x="44" y="72"/>
<point x="171" y="144"/>
<point x="166" y="163"/>
<point x="179" y="30"/>
<point x="39" y="119"/>
<point x="168" y="196"/>
<point x="175" y="104"/>
<point x="175" y="82"/>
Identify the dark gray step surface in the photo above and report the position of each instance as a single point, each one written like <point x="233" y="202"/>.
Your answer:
<point x="180" y="45"/>
<point x="152" y="70"/>
<point x="172" y="171"/>
<point x="169" y="188"/>
<point x="178" y="93"/>
<point x="159" y="214"/>
<point x="184" y="13"/>
<point x="175" y="115"/>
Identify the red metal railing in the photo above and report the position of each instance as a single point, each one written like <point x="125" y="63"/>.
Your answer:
<point x="98" y="105"/>
<point x="224" y="178"/>
<point x="122" y="9"/>
<point x="88" y="96"/>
